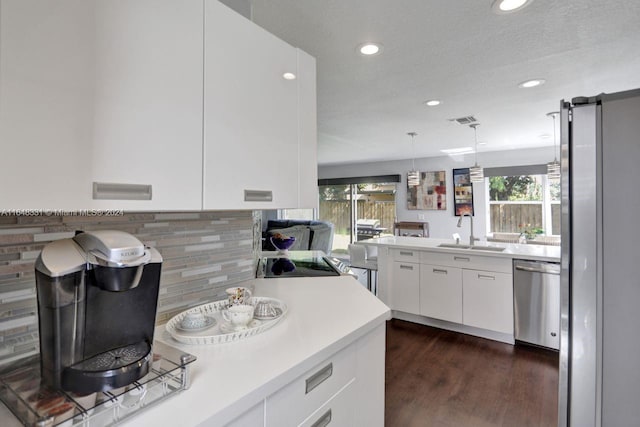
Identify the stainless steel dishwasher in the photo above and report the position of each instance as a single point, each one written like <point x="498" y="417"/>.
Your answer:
<point x="536" y="294"/>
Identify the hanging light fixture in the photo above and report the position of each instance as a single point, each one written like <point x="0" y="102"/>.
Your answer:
<point x="553" y="168"/>
<point x="413" y="176"/>
<point x="476" y="173"/>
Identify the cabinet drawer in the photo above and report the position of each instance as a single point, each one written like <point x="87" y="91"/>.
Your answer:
<point x="295" y="402"/>
<point x="406" y="255"/>
<point x="338" y="411"/>
<point x="466" y="260"/>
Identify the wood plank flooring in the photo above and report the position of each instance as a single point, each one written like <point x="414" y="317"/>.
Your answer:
<point x="442" y="378"/>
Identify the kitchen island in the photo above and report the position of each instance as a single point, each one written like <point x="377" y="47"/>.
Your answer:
<point x="459" y="287"/>
<point x="324" y="360"/>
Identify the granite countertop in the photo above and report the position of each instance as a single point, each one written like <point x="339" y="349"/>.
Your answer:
<point x="512" y="250"/>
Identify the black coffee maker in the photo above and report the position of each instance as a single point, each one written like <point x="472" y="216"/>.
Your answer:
<point x="97" y="300"/>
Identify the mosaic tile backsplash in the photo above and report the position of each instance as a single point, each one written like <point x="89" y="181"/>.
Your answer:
<point x="203" y="253"/>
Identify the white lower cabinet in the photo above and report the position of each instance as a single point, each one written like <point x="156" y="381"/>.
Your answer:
<point x="344" y="390"/>
<point x="441" y="292"/>
<point x="405" y="295"/>
<point x="488" y="300"/>
<point x="297" y="401"/>
<point x="465" y="289"/>
<point x="338" y="411"/>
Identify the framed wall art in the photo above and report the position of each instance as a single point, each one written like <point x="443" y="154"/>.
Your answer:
<point x="462" y="192"/>
<point x="430" y="194"/>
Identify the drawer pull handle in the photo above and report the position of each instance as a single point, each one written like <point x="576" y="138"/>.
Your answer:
<point x="406" y="267"/>
<point x="406" y="253"/>
<point x="258" y="196"/>
<point x="461" y="258"/>
<point x="485" y="277"/>
<point x="436" y="270"/>
<point x="324" y="420"/>
<point x="318" y="378"/>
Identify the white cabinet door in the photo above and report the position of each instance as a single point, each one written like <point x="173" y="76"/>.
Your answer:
<point x="488" y="300"/>
<point x="307" y="132"/>
<point x="148" y="101"/>
<point x="441" y="292"/>
<point x="250" y="115"/>
<point x="405" y="287"/>
<point x="46" y="114"/>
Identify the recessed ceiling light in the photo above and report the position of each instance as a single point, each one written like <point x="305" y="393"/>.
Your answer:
<point x="432" y="102"/>
<point x="370" y="49"/>
<point x="454" y="151"/>
<point x="531" y="83"/>
<point x="289" y="76"/>
<point x="509" y="6"/>
<point x="545" y="136"/>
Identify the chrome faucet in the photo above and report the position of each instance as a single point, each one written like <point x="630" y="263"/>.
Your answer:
<point x="472" y="239"/>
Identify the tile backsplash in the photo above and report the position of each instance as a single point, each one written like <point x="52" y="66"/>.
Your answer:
<point x="203" y="253"/>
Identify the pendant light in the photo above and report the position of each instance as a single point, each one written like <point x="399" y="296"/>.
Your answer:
<point x="553" y="168"/>
<point x="476" y="173"/>
<point x="413" y="176"/>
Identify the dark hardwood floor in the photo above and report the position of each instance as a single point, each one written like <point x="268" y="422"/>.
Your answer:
<point x="440" y="378"/>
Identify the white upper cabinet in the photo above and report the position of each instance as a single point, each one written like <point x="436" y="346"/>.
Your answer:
<point x="307" y="132"/>
<point x="151" y="105"/>
<point x="148" y="103"/>
<point x="252" y="116"/>
<point x="46" y="115"/>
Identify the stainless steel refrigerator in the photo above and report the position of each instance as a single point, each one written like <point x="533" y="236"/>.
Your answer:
<point x="600" y="278"/>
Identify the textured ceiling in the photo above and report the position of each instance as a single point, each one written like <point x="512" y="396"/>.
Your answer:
<point x="461" y="53"/>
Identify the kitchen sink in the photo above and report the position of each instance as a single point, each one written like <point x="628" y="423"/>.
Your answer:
<point x="475" y="248"/>
<point x="453" y="246"/>
<point x="487" y="248"/>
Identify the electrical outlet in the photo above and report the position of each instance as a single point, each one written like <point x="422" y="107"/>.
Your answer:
<point x="421" y="216"/>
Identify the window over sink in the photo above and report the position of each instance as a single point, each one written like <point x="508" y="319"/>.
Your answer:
<point x="522" y="202"/>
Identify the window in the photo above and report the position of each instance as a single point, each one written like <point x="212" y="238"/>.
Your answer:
<point x="359" y="208"/>
<point x="527" y="202"/>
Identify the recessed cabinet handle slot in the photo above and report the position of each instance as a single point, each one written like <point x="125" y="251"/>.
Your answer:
<point x="485" y="277"/>
<point x="258" y="196"/>
<point x="324" y="420"/>
<point x="435" y="270"/>
<point x="461" y="258"/>
<point x="318" y="378"/>
<point x="406" y="253"/>
<point x="406" y="267"/>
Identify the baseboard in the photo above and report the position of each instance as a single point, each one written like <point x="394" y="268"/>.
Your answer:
<point x="456" y="327"/>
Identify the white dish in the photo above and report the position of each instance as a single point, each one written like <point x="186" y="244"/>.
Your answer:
<point x="218" y="334"/>
<point x="208" y="322"/>
<point x="227" y="328"/>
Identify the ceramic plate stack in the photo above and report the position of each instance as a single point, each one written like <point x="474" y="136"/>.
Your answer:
<point x="220" y="331"/>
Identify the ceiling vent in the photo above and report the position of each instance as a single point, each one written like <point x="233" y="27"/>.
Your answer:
<point x="467" y="120"/>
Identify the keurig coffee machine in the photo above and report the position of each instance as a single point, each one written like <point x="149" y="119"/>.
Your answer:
<point x="97" y="300"/>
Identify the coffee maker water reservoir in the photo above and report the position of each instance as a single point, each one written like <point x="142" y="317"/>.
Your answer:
<point x="97" y="301"/>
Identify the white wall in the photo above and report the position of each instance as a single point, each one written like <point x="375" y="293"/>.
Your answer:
<point x="442" y="224"/>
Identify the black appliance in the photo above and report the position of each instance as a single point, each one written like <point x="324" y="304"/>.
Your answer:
<point x="97" y="300"/>
<point x="301" y="264"/>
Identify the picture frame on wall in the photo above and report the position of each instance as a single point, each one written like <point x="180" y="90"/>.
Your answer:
<point x="462" y="192"/>
<point x="430" y="194"/>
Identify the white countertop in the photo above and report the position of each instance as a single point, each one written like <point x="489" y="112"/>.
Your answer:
<point x="325" y="314"/>
<point x="525" y="251"/>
